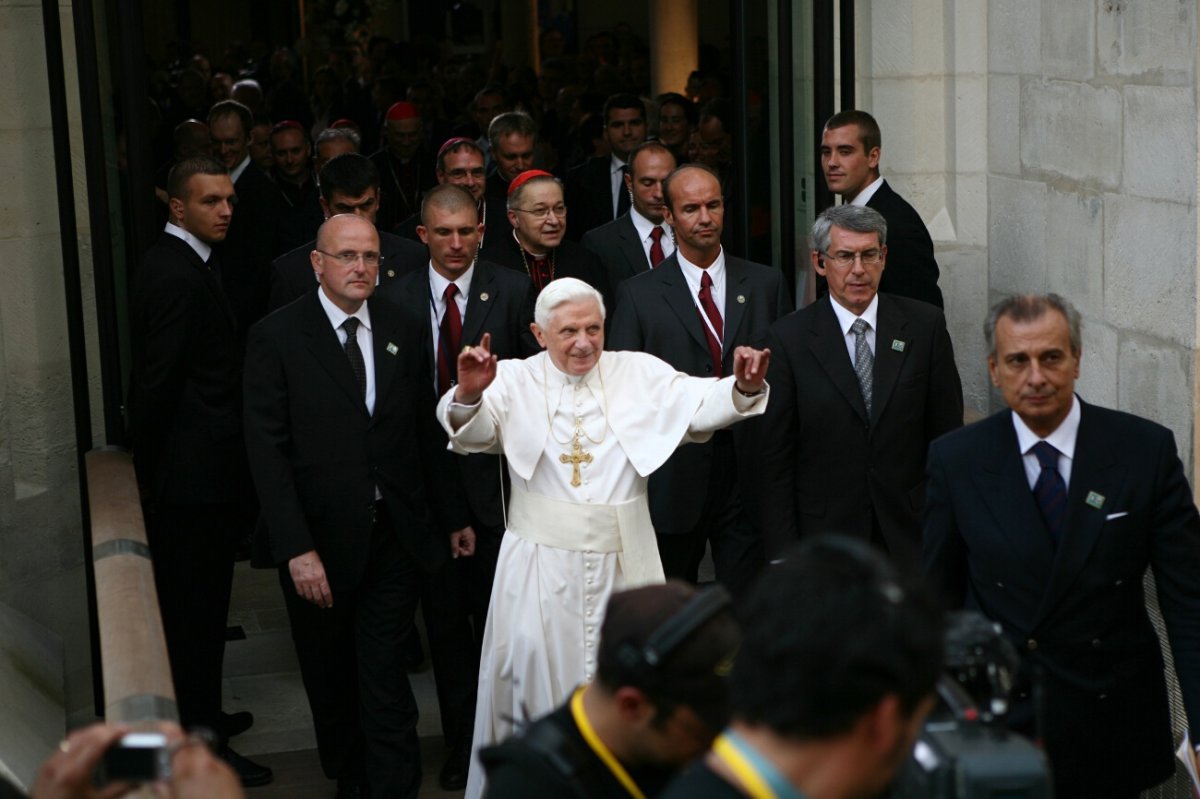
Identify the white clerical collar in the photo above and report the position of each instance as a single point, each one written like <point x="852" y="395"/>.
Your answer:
<point x="570" y="379"/>
<point x="615" y="164"/>
<point x="866" y="194"/>
<point x="1063" y="437"/>
<point x="337" y="316"/>
<point x="237" y="171"/>
<point x="643" y="225"/>
<point x="438" y="281"/>
<point x="846" y="317"/>
<point x="202" y="249"/>
<point x="692" y="272"/>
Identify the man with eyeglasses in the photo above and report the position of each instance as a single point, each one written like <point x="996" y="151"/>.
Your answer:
<point x="459" y="163"/>
<point x="354" y="482"/>
<point x="536" y="244"/>
<point x="349" y="185"/>
<point x="862" y="383"/>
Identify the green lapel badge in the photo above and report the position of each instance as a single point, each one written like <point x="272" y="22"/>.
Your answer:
<point x="392" y="348"/>
<point x="898" y="345"/>
<point x="1095" y="500"/>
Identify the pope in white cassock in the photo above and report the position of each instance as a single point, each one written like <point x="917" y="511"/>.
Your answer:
<point x="581" y="433"/>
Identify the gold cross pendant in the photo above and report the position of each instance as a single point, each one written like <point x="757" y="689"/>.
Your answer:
<point x="577" y="457"/>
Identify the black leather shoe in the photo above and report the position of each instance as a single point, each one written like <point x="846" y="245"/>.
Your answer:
<point x="453" y="776"/>
<point x="250" y="773"/>
<point x="231" y="724"/>
<point x="349" y="790"/>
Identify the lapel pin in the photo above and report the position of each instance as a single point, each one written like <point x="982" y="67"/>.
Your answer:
<point x="898" y="345"/>
<point x="741" y="299"/>
<point x="391" y="273"/>
<point x="483" y="297"/>
<point x="392" y="348"/>
<point x="1095" y="500"/>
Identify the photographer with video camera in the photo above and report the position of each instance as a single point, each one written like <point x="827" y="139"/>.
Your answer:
<point x="659" y="697"/>
<point x="834" y="677"/>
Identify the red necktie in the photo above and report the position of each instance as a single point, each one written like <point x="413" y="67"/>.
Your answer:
<point x="714" y="316"/>
<point x="656" y="250"/>
<point x="449" y="341"/>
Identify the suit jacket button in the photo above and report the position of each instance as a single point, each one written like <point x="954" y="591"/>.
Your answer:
<point x="1095" y="643"/>
<point x="708" y="367"/>
<point x="1031" y="644"/>
<point x="1103" y="696"/>
<point x="1119" y="581"/>
<point x="999" y="584"/>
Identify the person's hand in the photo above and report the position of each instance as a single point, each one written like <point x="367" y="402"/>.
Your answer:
<point x="196" y="773"/>
<point x="476" y="371"/>
<point x="308" y="575"/>
<point x="462" y="543"/>
<point x="750" y="368"/>
<point x="67" y="774"/>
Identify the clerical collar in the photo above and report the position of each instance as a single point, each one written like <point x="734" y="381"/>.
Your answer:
<point x="1063" y="437"/>
<point x="237" y="171"/>
<point x="864" y="196"/>
<point x="201" y="248"/>
<point x="644" y="226"/>
<point x="337" y="316"/>
<point x="438" y="281"/>
<point x="571" y="379"/>
<point x="846" y="317"/>
<point x="526" y="250"/>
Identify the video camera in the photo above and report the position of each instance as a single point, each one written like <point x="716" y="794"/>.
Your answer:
<point x="965" y="751"/>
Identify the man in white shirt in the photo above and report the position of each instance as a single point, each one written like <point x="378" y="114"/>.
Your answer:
<point x="582" y="429"/>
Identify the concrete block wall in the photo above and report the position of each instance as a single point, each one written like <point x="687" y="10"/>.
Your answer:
<point x="41" y="549"/>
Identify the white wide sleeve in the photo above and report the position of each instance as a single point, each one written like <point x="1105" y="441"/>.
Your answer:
<point x="724" y="405"/>
<point x="470" y="428"/>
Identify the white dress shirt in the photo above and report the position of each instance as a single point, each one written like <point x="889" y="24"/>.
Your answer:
<point x="237" y="171"/>
<point x="200" y="248"/>
<point x="1062" y="439"/>
<point x="846" y="319"/>
<point x="716" y="271"/>
<point x="437" y="300"/>
<point x="645" y="227"/>
<point x="864" y="196"/>
<point x="363" y="335"/>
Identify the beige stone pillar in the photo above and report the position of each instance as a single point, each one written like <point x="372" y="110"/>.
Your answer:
<point x="674" y="44"/>
<point x="519" y="33"/>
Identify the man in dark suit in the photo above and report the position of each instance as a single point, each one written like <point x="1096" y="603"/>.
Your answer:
<point x="692" y="312"/>
<point x="460" y="162"/>
<point x="596" y="188"/>
<point x="186" y="425"/>
<point x="351" y="473"/>
<point x="639" y="240"/>
<point x="1045" y="518"/>
<point x="535" y="243"/>
<point x="462" y="298"/>
<point x="862" y="382"/>
<point x="850" y="147"/>
<point x="255" y="233"/>
<point x="349" y="185"/>
<point x="513" y="135"/>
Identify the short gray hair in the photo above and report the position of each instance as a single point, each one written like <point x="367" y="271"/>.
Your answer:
<point x="334" y="134"/>
<point x="511" y="122"/>
<point x="558" y="292"/>
<point x="1028" y="308"/>
<point x="855" y="218"/>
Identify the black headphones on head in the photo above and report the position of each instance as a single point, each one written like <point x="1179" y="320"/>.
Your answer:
<point x="645" y="660"/>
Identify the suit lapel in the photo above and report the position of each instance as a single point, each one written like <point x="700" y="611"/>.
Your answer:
<point x="415" y="296"/>
<point x="480" y="303"/>
<point x="735" y="301"/>
<point x="385" y="344"/>
<point x="679" y="299"/>
<point x="888" y="359"/>
<point x="828" y="346"/>
<point x="1004" y="487"/>
<point x="1093" y="470"/>
<point x="631" y="246"/>
<point x="212" y="275"/>
<point x="322" y="341"/>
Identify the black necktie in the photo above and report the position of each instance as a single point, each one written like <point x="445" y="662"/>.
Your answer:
<point x="1050" y="490"/>
<point x="354" y="354"/>
<point x="622" y="194"/>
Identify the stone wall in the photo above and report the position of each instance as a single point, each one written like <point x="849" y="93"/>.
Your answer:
<point x="41" y="550"/>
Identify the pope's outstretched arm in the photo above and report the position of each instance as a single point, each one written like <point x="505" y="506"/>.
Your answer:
<point x="476" y="371"/>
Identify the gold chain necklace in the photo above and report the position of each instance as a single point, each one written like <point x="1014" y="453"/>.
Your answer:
<point x="579" y="429"/>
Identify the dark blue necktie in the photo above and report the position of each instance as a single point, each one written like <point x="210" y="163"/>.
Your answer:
<point x="1050" y="491"/>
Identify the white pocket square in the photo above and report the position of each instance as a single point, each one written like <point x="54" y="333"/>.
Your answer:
<point x="1112" y="516"/>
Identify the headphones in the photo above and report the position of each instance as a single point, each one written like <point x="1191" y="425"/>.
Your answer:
<point x="644" y="661"/>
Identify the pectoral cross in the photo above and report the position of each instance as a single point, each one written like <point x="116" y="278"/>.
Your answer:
<point x="576" y="457"/>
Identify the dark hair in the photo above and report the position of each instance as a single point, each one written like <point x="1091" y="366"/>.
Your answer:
<point x="491" y="88"/>
<point x="828" y="633"/>
<point x="1028" y="308"/>
<point x="465" y="144"/>
<point x="181" y="173"/>
<point x="719" y="108"/>
<point x="621" y="101"/>
<point x="229" y="108"/>
<point x="446" y="197"/>
<point x="669" y="179"/>
<point x="675" y="98"/>
<point x="351" y="174"/>
<point x="868" y="128"/>
<point x="648" y="145"/>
